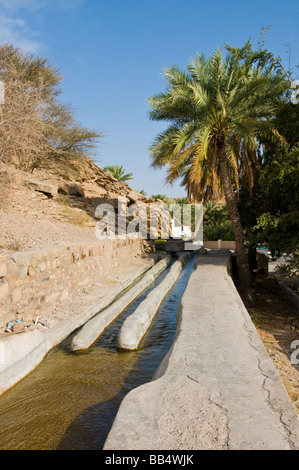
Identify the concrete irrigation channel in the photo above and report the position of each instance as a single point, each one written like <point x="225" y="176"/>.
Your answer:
<point x="94" y="327"/>
<point x="200" y="378"/>
<point x="217" y="388"/>
<point x="137" y="324"/>
<point x="24" y="352"/>
<point x="70" y="401"/>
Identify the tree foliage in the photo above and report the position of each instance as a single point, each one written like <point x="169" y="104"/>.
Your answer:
<point x="215" y="99"/>
<point x="38" y="130"/>
<point x="217" y="112"/>
<point x="271" y="215"/>
<point x="216" y="223"/>
<point x="161" y="197"/>
<point x="118" y="172"/>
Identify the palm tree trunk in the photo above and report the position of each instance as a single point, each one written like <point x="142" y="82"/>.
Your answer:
<point x="242" y="258"/>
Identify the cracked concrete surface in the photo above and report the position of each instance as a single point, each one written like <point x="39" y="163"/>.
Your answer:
<point x="217" y="388"/>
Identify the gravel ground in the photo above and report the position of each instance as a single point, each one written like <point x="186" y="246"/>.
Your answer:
<point x="31" y="221"/>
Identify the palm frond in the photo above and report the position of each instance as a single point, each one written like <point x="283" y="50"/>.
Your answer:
<point x="229" y="101"/>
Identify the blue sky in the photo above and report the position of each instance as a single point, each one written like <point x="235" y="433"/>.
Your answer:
<point x="112" y="54"/>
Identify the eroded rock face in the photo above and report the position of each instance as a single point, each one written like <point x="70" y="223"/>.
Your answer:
<point x="48" y="188"/>
<point x="94" y="188"/>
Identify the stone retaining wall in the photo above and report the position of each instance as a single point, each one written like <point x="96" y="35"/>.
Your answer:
<point x="31" y="282"/>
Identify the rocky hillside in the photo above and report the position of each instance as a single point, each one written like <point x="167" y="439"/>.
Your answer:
<point x="42" y="209"/>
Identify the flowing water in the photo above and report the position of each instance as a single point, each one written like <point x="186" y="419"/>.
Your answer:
<point x="70" y="400"/>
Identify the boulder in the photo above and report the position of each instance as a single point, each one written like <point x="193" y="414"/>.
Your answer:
<point x="135" y="196"/>
<point x="45" y="187"/>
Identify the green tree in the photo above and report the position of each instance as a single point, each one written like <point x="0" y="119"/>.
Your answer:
<point x="217" y="111"/>
<point x="217" y="224"/>
<point x="271" y="215"/>
<point x="142" y="191"/>
<point x="162" y="197"/>
<point x="215" y="215"/>
<point x="118" y="172"/>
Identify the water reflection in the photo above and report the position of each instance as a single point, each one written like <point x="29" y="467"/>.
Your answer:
<point x="71" y="399"/>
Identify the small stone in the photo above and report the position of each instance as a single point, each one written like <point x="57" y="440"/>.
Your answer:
<point x="17" y="328"/>
<point x="42" y="267"/>
<point x="31" y="271"/>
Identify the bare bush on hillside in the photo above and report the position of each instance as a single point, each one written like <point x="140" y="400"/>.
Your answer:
<point x="37" y="129"/>
<point x="22" y="130"/>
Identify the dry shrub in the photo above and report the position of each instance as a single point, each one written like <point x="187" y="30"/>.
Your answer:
<point x="22" y="130"/>
<point x="38" y="130"/>
<point x="77" y="216"/>
<point x="10" y="245"/>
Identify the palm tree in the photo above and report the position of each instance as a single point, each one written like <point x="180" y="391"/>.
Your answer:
<point x="215" y="215"/>
<point x="159" y="196"/>
<point x="217" y="111"/>
<point x="118" y="172"/>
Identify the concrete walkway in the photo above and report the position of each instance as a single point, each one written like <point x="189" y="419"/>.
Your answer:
<point x="217" y="388"/>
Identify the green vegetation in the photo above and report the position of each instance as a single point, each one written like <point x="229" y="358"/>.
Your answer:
<point x="217" y="224"/>
<point x="118" y="172"/>
<point x="218" y="112"/>
<point x="161" y="197"/>
<point x="271" y="214"/>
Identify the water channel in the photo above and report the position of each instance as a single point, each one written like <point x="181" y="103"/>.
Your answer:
<point x="70" y="400"/>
